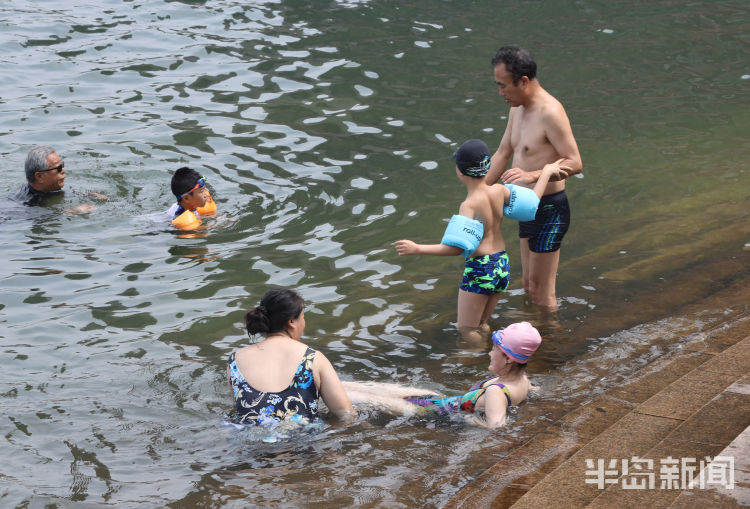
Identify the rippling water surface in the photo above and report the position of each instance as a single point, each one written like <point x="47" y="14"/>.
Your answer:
<point x="325" y="130"/>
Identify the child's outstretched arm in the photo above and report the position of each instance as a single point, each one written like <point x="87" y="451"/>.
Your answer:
<point x="462" y="236"/>
<point x="407" y="247"/>
<point x="550" y="170"/>
<point x="521" y="203"/>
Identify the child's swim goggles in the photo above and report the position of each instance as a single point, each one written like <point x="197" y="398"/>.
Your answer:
<point x="201" y="184"/>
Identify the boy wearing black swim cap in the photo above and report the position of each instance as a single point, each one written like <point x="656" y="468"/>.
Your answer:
<point x="476" y="233"/>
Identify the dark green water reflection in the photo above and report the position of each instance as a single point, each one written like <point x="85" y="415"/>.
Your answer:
<point x="325" y="130"/>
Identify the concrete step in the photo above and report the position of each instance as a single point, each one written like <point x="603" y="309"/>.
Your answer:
<point x="692" y="405"/>
<point x="736" y="496"/>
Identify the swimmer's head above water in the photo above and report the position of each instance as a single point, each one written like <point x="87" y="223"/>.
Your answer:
<point x="45" y="170"/>
<point x="277" y="307"/>
<point x="519" y="341"/>
<point x="189" y="187"/>
<point x="473" y="158"/>
<point x="517" y="61"/>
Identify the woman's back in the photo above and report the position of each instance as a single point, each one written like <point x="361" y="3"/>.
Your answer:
<point x="281" y="378"/>
<point x="274" y="382"/>
<point x="270" y="365"/>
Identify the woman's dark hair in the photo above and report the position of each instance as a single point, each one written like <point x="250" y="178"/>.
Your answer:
<point x="276" y="308"/>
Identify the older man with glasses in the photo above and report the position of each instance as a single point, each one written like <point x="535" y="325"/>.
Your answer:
<point x="45" y="175"/>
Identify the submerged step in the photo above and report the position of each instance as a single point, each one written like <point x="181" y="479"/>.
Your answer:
<point x="681" y="409"/>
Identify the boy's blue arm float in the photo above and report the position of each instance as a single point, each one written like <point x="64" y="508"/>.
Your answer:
<point x="463" y="233"/>
<point x="522" y="203"/>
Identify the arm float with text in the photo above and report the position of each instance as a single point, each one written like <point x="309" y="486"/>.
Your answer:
<point x="463" y="233"/>
<point x="522" y="203"/>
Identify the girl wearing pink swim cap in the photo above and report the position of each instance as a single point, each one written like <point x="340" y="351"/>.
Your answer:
<point x="512" y="348"/>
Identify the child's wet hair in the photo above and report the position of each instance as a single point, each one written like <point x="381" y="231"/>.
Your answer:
<point x="183" y="180"/>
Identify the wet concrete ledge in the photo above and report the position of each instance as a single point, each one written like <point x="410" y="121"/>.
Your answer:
<point x="694" y="404"/>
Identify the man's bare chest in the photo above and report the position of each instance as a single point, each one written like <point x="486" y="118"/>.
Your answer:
<point x="528" y="135"/>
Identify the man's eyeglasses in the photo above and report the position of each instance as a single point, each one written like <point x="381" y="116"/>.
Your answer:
<point x="59" y="168"/>
<point x="201" y="184"/>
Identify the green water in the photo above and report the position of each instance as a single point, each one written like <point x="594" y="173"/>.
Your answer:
<point x="325" y="130"/>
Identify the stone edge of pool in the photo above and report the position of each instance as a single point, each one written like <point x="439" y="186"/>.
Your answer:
<point x="694" y="403"/>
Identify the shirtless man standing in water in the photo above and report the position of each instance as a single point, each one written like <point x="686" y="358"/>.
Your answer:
<point x="538" y="133"/>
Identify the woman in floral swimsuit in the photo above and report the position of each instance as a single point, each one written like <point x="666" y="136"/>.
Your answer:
<point x="281" y="377"/>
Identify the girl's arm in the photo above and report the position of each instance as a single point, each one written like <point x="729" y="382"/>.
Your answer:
<point x="495" y="408"/>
